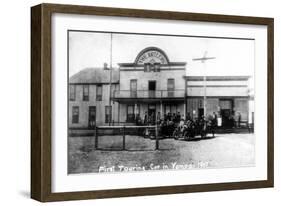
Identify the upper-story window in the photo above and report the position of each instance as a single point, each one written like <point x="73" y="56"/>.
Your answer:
<point x="147" y="67"/>
<point x="85" y="92"/>
<point x="99" y="93"/>
<point x="157" y="67"/>
<point x="152" y="67"/>
<point x="72" y="91"/>
<point x="133" y="88"/>
<point x="171" y="87"/>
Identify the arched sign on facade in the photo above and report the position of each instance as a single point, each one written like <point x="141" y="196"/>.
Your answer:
<point x="152" y="55"/>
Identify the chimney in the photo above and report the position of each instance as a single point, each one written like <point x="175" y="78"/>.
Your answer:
<point x="105" y="66"/>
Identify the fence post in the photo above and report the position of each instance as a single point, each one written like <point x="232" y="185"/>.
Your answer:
<point x="124" y="138"/>
<point x="96" y="138"/>
<point x="156" y="138"/>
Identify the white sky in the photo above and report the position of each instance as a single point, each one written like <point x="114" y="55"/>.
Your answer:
<point x="233" y="57"/>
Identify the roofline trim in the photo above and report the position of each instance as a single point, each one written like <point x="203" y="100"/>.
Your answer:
<point x="141" y="65"/>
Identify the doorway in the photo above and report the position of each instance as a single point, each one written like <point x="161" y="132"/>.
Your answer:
<point x="92" y="117"/>
<point x="152" y="88"/>
<point x="200" y="112"/>
<point x="226" y="111"/>
<point x="226" y="117"/>
<point x="151" y="113"/>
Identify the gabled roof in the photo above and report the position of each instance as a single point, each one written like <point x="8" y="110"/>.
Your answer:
<point x="94" y="76"/>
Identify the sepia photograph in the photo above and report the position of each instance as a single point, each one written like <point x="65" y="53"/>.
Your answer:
<point x="140" y="102"/>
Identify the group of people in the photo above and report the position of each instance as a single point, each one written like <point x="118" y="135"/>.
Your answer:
<point x="152" y="120"/>
<point x="171" y="123"/>
<point x="189" y="127"/>
<point x="234" y="120"/>
<point x="174" y="123"/>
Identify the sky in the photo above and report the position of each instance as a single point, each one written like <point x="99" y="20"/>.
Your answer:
<point x="232" y="56"/>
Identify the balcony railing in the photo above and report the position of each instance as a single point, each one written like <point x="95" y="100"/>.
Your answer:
<point x="149" y="94"/>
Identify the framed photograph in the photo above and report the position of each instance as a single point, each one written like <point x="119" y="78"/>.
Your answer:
<point x="130" y="102"/>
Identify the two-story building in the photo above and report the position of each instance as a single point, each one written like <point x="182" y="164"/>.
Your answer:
<point x="89" y="100"/>
<point x="152" y="84"/>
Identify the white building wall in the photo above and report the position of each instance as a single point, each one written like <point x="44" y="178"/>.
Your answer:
<point x="242" y="106"/>
<point x="143" y="78"/>
<point x="84" y="106"/>
<point x="218" y="91"/>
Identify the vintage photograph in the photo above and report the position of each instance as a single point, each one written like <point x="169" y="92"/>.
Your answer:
<point x="146" y="102"/>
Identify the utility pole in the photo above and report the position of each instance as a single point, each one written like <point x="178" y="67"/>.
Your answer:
<point x="110" y="81"/>
<point x="203" y="60"/>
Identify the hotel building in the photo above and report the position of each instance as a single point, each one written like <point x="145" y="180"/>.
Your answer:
<point x="154" y="84"/>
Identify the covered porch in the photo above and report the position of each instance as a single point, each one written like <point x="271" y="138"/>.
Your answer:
<point x="134" y="110"/>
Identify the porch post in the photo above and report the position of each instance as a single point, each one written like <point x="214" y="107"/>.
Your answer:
<point x="118" y="113"/>
<point x="185" y="97"/>
<point x="161" y="109"/>
<point x="135" y="110"/>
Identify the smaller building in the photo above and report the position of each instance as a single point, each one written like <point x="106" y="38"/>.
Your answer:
<point x="227" y="96"/>
<point x="89" y="99"/>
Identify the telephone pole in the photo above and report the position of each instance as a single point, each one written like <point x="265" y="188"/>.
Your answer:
<point x="203" y="60"/>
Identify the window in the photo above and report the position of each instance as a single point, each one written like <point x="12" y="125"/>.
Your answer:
<point x="99" y="93"/>
<point x="167" y="109"/>
<point x="75" y="114"/>
<point x="130" y="113"/>
<point x="152" y="67"/>
<point x="108" y="114"/>
<point x="133" y="88"/>
<point x="171" y="87"/>
<point x="157" y="67"/>
<point x="72" y="92"/>
<point x="152" y="88"/>
<point x="171" y="108"/>
<point x="147" y="67"/>
<point x="85" y="92"/>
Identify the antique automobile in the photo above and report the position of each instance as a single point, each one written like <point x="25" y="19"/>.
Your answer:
<point x="191" y="129"/>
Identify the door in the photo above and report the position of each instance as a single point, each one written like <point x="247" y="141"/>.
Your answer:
<point x="171" y="87"/>
<point x="226" y="117"/>
<point x="151" y="88"/>
<point x="200" y="112"/>
<point x="151" y="113"/>
<point x="92" y="117"/>
<point x="130" y="113"/>
<point x="226" y="113"/>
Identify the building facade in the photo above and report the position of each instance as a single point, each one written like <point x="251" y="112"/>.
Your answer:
<point x="152" y="85"/>
<point x="227" y="96"/>
<point x="89" y="100"/>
